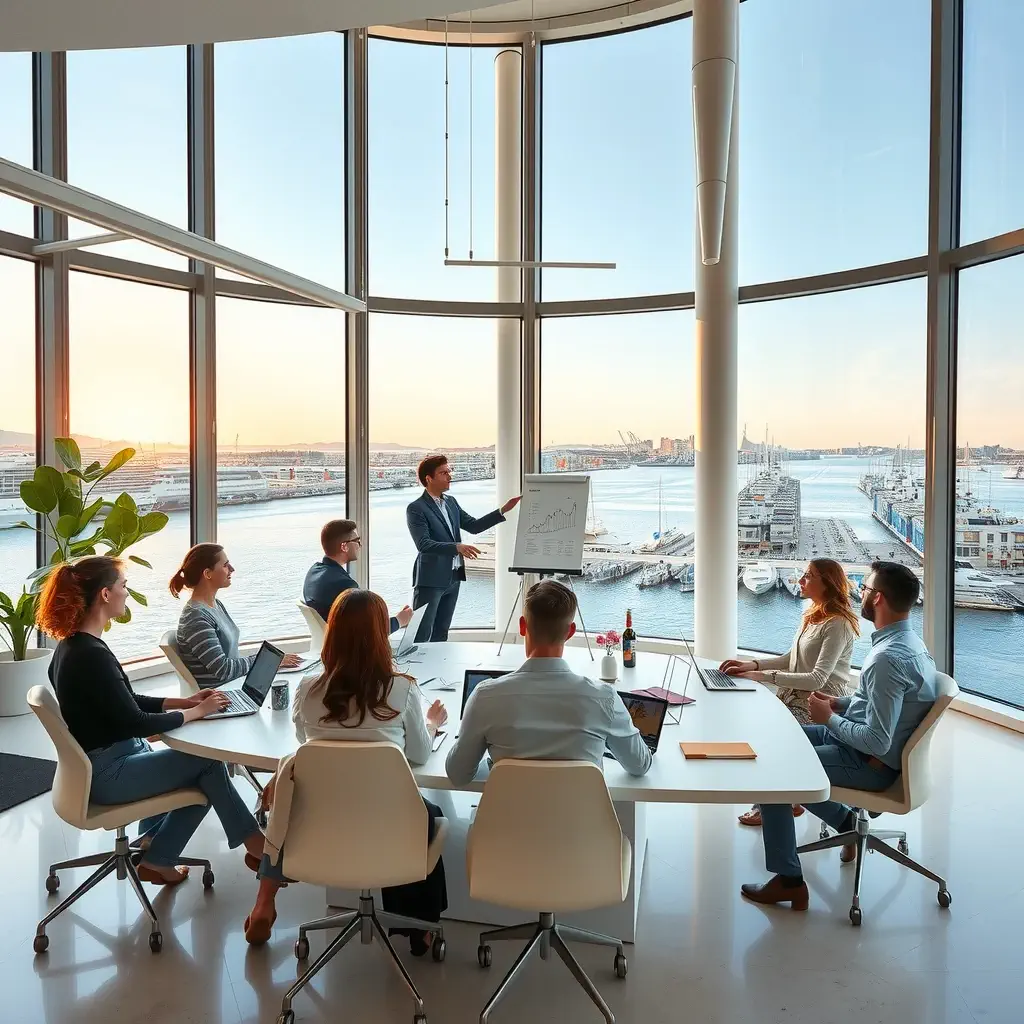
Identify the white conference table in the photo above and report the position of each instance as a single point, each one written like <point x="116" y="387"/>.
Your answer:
<point x="785" y="771"/>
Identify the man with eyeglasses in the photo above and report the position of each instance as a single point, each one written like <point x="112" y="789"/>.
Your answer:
<point x="329" y="578"/>
<point x="859" y="739"/>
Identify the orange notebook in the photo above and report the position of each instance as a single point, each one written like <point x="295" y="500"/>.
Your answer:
<point x="720" y="751"/>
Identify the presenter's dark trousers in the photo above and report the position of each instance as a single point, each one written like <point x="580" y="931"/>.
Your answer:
<point x="440" y="602"/>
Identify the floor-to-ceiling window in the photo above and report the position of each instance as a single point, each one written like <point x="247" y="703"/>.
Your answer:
<point x="16" y="133"/>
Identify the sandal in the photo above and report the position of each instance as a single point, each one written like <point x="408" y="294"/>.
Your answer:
<point x="148" y="874"/>
<point x="257" y="932"/>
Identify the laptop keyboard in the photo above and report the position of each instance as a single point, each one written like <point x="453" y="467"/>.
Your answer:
<point x="238" y="702"/>
<point x="719" y="680"/>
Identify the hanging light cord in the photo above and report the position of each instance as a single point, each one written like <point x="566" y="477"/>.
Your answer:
<point x="470" y="134"/>
<point x="446" y="144"/>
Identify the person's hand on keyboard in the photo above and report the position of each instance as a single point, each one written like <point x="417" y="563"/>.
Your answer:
<point x="206" y="702"/>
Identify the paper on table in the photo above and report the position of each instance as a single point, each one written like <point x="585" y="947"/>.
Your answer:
<point x="720" y="751"/>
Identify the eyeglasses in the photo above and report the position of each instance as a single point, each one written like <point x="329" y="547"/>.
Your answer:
<point x="864" y="587"/>
<point x="354" y="540"/>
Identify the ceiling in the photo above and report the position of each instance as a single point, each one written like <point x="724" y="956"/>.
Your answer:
<point x="102" y="24"/>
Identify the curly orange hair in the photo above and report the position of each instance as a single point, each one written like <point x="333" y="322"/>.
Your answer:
<point x="70" y="591"/>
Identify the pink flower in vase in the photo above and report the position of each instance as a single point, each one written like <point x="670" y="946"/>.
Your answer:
<point x="609" y="641"/>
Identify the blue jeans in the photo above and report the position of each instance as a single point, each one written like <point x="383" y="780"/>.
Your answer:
<point x="844" y="766"/>
<point x="131" y="770"/>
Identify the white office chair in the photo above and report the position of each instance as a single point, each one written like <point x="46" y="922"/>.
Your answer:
<point x="71" y="786"/>
<point x="317" y="626"/>
<point x="546" y="838"/>
<point x="906" y="794"/>
<point x="189" y="686"/>
<point x="349" y="836"/>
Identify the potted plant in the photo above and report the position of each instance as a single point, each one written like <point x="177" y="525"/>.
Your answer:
<point x="609" y="663"/>
<point x="76" y="524"/>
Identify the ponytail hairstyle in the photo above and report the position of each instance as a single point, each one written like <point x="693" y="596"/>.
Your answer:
<point x="200" y="557"/>
<point x="71" y="590"/>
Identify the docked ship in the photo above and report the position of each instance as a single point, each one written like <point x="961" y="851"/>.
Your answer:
<point x="236" y="485"/>
<point x="1015" y="472"/>
<point x="760" y="577"/>
<point x="687" y="579"/>
<point x="664" y="542"/>
<point x="768" y="509"/>
<point x="657" y="574"/>
<point x="15" y="467"/>
<point x="606" y="572"/>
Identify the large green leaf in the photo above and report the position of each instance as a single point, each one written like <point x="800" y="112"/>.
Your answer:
<point x="141" y="598"/>
<point x="67" y="527"/>
<point x="120" y="524"/>
<point x="39" y="497"/>
<point x="140" y="561"/>
<point x="88" y="513"/>
<point x="123" y="456"/>
<point x="68" y="452"/>
<point x="92" y="471"/>
<point x="70" y="502"/>
<point x="125" y="500"/>
<point x="6" y="602"/>
<point x="152" y="522"/>
<point x="126" y="617"/>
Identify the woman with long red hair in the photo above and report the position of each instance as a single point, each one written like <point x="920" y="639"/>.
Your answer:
<point x="358" y="695"/>
<point x="820" y="656"/>
<point x="110" y="721"/>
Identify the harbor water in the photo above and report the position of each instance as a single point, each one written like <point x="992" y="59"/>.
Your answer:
<point x="272" y="544"/>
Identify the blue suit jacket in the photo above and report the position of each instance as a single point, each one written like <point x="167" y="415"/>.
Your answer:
<point x="436" y="543"/>
<point x="324" y="582"/>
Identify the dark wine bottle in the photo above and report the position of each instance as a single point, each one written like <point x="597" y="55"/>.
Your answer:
<point x="629" y="642"/>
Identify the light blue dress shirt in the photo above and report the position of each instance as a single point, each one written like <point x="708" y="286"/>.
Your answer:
<point x="545" y="711"/>
<point x="897" y="689"/>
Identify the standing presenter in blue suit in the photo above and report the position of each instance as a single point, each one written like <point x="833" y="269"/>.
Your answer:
<point x="436" y="521"/>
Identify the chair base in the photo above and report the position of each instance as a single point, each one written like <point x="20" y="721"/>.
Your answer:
<point x="122" y="861"/>
<point x="868" y="840"/>
<point x="547" y="934"/>
<point x="364" y="922"/>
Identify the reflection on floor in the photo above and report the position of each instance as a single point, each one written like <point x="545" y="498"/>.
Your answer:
<point x="702" y="954"/>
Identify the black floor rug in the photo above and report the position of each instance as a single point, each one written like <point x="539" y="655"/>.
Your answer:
<point x="22" y="778"/>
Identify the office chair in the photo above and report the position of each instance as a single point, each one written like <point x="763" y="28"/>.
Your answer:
<point x="71" y="786"/>
<point x="546" y="838"/>
<point x="906" y="794"/>
<point x="362" y="836"/>
<point x="317" y="626"/>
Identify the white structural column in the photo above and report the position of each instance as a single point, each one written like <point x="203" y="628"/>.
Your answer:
<point x="715" y="35"/>
<point x="508" y="228"/>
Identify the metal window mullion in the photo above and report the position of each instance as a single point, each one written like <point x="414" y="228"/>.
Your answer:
<point x="202" y="302"/>
<point x="49" y="101"/>
<point x="531" y="341"/>
<point x="357" y="348"/>
<point x="943" y="229"/>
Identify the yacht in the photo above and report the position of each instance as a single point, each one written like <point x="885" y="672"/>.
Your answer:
<point x="687" y="580"/>
<point x="1015" y="472"/>
<point x="15" y="468"/>
<point x="760" y="577"/>
<point x="791" y="581"/>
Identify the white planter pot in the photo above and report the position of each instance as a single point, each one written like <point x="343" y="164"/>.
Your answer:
<point x="609" y="668"/>
<point x="18" y="677"/>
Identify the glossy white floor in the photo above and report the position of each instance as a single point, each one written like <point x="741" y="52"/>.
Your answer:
<point x="702" y="953"/>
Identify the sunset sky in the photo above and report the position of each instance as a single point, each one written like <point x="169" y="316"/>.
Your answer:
<point x="831" y="177"/>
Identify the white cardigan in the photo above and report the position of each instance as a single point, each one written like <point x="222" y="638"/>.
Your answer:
<point x="818" y="660"/>
<point x="408" y="729"/>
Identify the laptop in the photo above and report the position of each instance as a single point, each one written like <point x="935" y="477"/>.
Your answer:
<point x="716" y="679"/>
<point x="407" y="644"/>
<point x="648" y="714"/>
<point x="475" y="676"/>
<point x="249" y="699"/>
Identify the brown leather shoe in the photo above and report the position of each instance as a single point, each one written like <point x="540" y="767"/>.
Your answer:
<point x="773" y="891"/>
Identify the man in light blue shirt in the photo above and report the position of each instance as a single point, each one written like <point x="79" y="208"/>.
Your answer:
<point x="859" y="739"/>
<point x="544" y="710"/>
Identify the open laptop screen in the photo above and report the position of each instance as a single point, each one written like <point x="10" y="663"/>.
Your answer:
<point x="648" y="714"/>
<point x="475" y="676"/>
<point x="261" y="675"/>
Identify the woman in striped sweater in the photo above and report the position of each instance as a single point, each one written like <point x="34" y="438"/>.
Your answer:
<point x="207" y="635"/>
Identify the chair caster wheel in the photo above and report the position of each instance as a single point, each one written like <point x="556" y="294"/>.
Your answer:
<point x="438" y="949"/>
<point x="287" y="1017"/>
<point x="621" y="965"/>
<point x="208" y="879"/>
<point x="855" y="916"/>
<point x="903" y="846"/>
<point x="944" y="898"/>
<point x="302" y="948"/>
<point x="52" y="884"/>
<point x="483" y="956"/>
<point x="156" y="941"/>
<point x="40" y="943"/>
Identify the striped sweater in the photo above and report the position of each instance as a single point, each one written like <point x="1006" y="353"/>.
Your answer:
<point x="208" y="644"/>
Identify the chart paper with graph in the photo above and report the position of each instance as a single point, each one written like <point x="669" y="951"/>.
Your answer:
<point x="552" y="521"/>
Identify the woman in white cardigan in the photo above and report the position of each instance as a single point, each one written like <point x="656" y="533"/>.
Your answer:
<point x="820" y="656"/>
